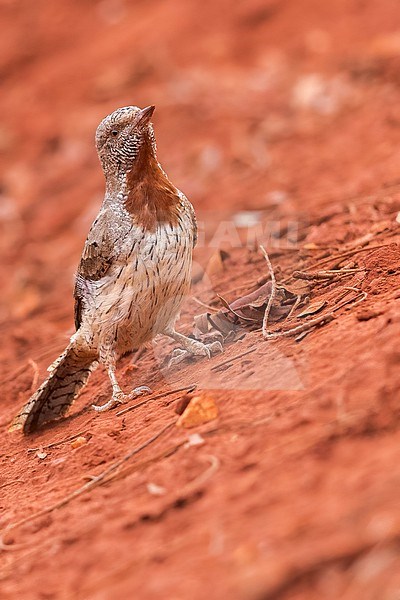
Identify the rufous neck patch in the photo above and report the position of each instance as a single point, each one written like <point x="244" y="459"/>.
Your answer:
<point x="151" y="199"/>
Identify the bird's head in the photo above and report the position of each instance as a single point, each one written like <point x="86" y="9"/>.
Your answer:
<point x="120" y="137"/>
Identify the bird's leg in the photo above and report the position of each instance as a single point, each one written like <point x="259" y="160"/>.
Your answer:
<point x="118" y="396"/>
<point x="190" y="347"/>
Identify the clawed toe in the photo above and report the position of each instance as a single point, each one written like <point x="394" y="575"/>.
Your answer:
<point x="120" y="398"/>
<point x="200" y="349"/>
<point x="178" y="356"/>
<point x="196" y="349"/>
<point x="139" y="391"/>
<point x="215" y="348"/>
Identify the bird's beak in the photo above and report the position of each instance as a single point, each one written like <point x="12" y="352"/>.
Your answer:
<point x="145" y="115"/>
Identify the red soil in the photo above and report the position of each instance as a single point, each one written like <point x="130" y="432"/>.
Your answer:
<point x="288" y="107"/>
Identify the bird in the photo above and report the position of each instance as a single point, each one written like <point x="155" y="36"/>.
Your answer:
<point x="134" y="273"/>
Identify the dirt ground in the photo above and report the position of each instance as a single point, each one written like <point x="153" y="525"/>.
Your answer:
<point x="280" y="120"/>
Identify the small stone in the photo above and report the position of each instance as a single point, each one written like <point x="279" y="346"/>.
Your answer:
<point x="182" y="404"/>
<point x="367" y="314"/>
<point x="201" y="409"/>
<point x="78" y="442"/>
<point x="194" y="439"/>
<point x="156" y="490"/>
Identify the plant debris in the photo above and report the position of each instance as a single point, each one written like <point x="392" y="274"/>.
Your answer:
<point x="215" y="263"/>
<point x="312" y="309"/>
<point x="187" y="388"/>
<point x="245" y="312"/>
<point x="274" y="302"/>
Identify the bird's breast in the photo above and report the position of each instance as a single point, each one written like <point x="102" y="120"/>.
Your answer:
<point x="144" y="290"/>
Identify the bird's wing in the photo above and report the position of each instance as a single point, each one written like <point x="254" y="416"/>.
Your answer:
<point x="194" y="222"/>
<point x="97" y="257"/>
<point x="189" y="207"/>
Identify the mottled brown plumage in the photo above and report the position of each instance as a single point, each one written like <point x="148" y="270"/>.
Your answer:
<point x="134" y="270"/>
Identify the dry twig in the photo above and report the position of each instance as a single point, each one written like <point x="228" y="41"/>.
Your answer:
<point x="327" y="318"/>
<point x="203" y="477"/>
<point x="337" y="257"/>
<point x="360" y="298"/>
<point x="187" y="388"/>
<point x="121" y="473"/>
<point x="346" y="255"/>
<point x="325" y="275"/>
<point x="57" y="443"/>
<point x="272" y="296"/>
<point x="233" y="358"/>
<point x="295" y="305"/>
<point x="304" y="327"/>
<point x="229" y="307"/>
<point x="204" y="305"/>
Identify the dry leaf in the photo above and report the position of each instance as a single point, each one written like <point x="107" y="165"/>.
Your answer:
<point x="313" y="308"/>
<point x="200" y="409"/>
<point x="247" y="311"/>
<point x="215" y="264"/>
<point x="254" y="299"/>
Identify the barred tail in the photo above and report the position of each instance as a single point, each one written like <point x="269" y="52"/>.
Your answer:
<point x="68" y="374"/>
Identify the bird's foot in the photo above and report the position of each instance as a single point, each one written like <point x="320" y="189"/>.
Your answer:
<point x="195" y="348"/>
<point x="120" y="398"/>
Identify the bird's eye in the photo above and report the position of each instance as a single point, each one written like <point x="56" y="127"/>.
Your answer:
<point x="114" y="132"/>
